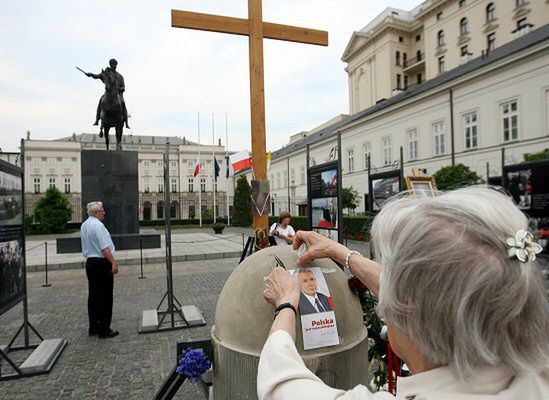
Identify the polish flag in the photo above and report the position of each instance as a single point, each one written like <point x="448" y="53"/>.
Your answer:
<point x="334" y="180"/>
<point x="241" y="160"/>
<point x="197" y="168"/>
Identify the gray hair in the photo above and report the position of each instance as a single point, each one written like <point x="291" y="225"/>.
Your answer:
<point x="94" y="207"/>
<point x="448" y="284"/>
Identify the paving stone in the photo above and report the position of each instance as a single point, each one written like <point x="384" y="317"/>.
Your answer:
<point x="129" y="365"/>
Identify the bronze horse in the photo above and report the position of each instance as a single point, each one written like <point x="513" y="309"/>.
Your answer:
<point x="111" y="111"/>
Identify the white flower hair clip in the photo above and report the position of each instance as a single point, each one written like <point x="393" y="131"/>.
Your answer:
<point x="522" y="246"/>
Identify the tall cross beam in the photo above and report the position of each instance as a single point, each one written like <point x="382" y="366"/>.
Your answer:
<point x="256" y="30"/>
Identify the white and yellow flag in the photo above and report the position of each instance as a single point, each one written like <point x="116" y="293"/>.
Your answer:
<point x="269" y="158"/>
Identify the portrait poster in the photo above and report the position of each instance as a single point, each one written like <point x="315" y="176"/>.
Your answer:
<point x="316" y="309"/>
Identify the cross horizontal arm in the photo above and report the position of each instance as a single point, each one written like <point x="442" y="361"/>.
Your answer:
<point x="239" y="26"/>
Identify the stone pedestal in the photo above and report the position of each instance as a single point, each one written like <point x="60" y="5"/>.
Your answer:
<point x="243" y="320"/>
<point x="112" y="178"/>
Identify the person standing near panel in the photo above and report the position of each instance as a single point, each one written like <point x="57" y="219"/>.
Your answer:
<point x="282" y="230"/>
<point x="98" y="249"/>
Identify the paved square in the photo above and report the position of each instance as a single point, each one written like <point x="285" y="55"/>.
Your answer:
<point x="128" y="366"/>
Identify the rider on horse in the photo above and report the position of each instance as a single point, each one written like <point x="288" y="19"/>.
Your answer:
<point x="119" y="79"/>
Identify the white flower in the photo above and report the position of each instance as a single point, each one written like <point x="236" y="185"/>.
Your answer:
<point x="522" y="246"/>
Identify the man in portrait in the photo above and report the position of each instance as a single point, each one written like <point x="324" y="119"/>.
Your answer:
<point x="311" y="300"/>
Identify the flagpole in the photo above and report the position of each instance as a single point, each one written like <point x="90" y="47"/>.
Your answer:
<point x="227" y="161"/>
<point x="199" y="182"/>
<point x="213" y="161"/>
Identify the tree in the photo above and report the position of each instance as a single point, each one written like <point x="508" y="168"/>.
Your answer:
<point x="207" y="213"/>
<point x="242" y="209"/>
<point x="455" y="176"/>
<point x="541" y="155"/>
<point x="351" y="198"/>
<point x="52" y="212"/>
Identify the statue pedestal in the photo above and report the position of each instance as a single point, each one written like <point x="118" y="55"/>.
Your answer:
<point x="112" y="178"/>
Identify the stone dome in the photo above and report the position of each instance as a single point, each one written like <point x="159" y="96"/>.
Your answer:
<point x="243" y="318"/>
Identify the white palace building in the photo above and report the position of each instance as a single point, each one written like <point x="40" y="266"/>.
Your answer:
<point x="57" y="163"/>
<point x="452" y="81"/>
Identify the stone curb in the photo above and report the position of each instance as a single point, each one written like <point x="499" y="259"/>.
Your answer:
<point x="136" y="261"/>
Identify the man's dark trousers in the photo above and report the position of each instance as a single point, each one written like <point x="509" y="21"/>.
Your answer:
<point x="100" y="290"/>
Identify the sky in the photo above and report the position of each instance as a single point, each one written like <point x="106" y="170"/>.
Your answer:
<point x="171" y="74"/>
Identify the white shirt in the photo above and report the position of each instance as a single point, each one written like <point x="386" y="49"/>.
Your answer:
<point x="95" y="238"/>
<point x="282" y="375"/>
<point x="288" y="231"/>
<point x="312" y="301"/>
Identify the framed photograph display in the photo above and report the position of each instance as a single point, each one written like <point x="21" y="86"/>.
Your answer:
<point x="421" y="185"/>
<point x="12" y="241"/>
<point x="528" y="184"/>
<point x="383" y="186"/>
<point x="324" y="199"/>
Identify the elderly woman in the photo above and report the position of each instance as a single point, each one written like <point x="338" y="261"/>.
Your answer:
<point x="461" y="294"/>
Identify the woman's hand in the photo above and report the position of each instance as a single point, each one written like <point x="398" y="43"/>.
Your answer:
<point x="318" y="247"/>
<point x="282" y="288"/>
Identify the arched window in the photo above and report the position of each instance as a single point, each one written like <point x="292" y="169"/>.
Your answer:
<point x="398" y="58"/>
<point x="418" y="55"/>
<point x="404" y="59"/>
<point x="490" y="12"/>
<point x="174" y="209"/>
<point x="440" y="37"/>
<point x="160" y="210"/>
<point x="147" y="211"/>
<point x="463" y="26"/>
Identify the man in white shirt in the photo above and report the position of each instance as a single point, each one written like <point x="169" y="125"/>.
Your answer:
<point x="282" y="230"/>
<point x="98" y="249"/>
<point x="311" y="301"/>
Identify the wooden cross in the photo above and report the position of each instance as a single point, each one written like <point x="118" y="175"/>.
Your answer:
<point x="256" y="30"/>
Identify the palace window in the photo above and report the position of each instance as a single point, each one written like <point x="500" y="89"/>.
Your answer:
<point x="36" y="185"/>
<point x="464" y="50"/>
<point x="463" y="26"/>
<point x="490" y="12"/>
<point x="67" y="185"/>
<point x="398" y="86"/>
<point x="470" y="126"/>
<point x="191" y="185"/>
<point x="441" y="64"/>
<point x="521" y="24"/>
<point x="510" y="115"/>
<point x="404" y="59"/>
<point x="521" y="3"/>
<point x="439" y="16"/>
<point x="462" y="3"/>
<point x="387" y="150"/>
<point x="285" y="180"/>
<point x="438" y="135"/>
<point x="440" y="38"/>
<point x="160" y="187"/>
<point x="174" y="185"/>
<point x="303" y="177"/>
<point x="52" y="183"/>
<point x="419" y="78"/>
<point x="351" y="159"/>
<point x="192" y="212"/>
<point x="292" y="176"/>
<point x="366" y="149"/>
<point x="413" y="144"/>
<point x="203" y="184"/>
<point x="491" y="39"/>
<point x="146" y="185"/>
<point x="405" y="82"/>
<point x="397" y="57"/>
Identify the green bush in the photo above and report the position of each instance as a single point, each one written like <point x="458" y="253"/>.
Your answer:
<point x="52" y="212"/>
<point x="242" y="210"/>
<point x="455" y="176"/>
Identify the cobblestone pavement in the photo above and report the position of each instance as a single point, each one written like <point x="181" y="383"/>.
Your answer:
<point x="128" y="366"/>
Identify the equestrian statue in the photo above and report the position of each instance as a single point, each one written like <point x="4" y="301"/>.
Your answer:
<point x="111" y="109"/>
